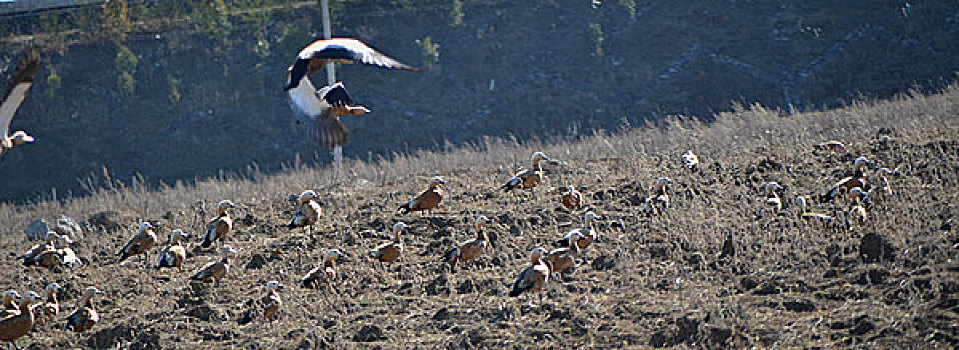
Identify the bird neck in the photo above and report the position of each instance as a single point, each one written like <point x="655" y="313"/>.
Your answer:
<point x="25" y="306"/>
<point x="480" y="234"/>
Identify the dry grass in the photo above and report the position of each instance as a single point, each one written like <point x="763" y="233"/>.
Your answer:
<point x="657" y="281"/>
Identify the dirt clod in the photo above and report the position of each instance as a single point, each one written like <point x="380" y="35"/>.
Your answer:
<point x="369" y="333"/>
<point x="875" y="248"/>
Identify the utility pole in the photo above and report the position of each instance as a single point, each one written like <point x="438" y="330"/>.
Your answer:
<point x="331" y="77"/>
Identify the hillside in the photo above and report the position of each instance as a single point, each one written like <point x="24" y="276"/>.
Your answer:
<point x="711" y="272"/>
<point x="205" y="93"/>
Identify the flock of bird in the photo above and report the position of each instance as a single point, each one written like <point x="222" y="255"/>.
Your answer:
<point x="322" y="108"/>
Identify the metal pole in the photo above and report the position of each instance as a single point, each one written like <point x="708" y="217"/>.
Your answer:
<point x="327" y="33"/>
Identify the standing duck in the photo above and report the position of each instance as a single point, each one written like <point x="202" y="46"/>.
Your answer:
<point x="219" y="228"/>
<point x="390" y="252"/>
<point x="843" y="186"/>
<point x="214" y="271"/>
<point x="16" y="92"/>
<point x="831" y="146"/>
<point x="325" y="273"/>
<point x="572" y="199"/>
<point x="338" y="50"/>
<point x="86" y="315"/>
<point x="772" y="202"/>
<point x="562" y="259"/>
<point x="270" y="303"/>
<point x="658" y="200"/>
<point x="174" y="254"/>
<point x="139" y="244"/>
<point x="690" y="160"/>
<point x="426" y="200"/>
<point x="308" y="211"/>
<point x="527" y="178"/>
<point x="50" y="308"/>
<point x="471" y="249"/>
<point x="534" y="277"/>
<point x="587" y="234"/>
<point x="17" y="325"/>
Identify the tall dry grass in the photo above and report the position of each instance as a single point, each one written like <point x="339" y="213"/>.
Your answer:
<point x="748" y="132"/>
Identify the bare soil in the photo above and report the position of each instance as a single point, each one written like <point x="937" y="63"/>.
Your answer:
<point x="710" y="273"/>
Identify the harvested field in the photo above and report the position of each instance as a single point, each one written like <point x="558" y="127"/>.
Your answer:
<point x="711" y="272"/>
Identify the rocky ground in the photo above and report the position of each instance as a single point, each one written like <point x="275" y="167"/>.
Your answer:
<point x="712" y="272"/>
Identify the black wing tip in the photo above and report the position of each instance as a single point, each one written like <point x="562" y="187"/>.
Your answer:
<point x="337" y="95"/>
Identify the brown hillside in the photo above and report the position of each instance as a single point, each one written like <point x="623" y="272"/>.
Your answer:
<point x="660" y="281"/>
<point x="207" y="96"/>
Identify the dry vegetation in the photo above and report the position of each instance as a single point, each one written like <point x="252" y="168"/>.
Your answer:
<point x="659" y="281"/>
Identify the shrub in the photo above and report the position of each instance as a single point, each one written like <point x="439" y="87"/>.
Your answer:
<point x="456" y="13"/>
<point x="116" y="19"/>
<point x="431" y="51"/>
<point x="630" y="6"/>
<point x="126" y="65"/>
<point x="126" y="84"/>
<point x="596" y="36"/>
<point x="174" y="85"/>
<point x="53" y="82"/>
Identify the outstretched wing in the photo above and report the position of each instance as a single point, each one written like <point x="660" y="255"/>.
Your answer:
<point x="352" y="50"/>
<point x="17" y="89"/>
<point x="335" y="95"/>
<point x="315" y="115"/>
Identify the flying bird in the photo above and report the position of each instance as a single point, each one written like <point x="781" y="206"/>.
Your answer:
<point x="318" y="113"/>
<point x="338" y="50"/>
<point x="16" y="92"/>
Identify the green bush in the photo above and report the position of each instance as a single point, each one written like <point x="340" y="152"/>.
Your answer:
<point x="126" y="60"/>
<point x="630" y="6"/>
<point x="596" y="36"/>
<point x="431" y="51"/>
<point x="456" y="13"/>
<point x="126" y="65"/>
<point x="126" y="84"/>
<point x="116" y="19"/>
<point x="53" y="83"/>
<point x="214" y="18"/>
<point x="174" y="85"/>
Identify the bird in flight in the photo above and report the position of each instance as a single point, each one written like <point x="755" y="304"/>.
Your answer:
<point x="338" y="50"/>
<point x="16" y="92"/>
